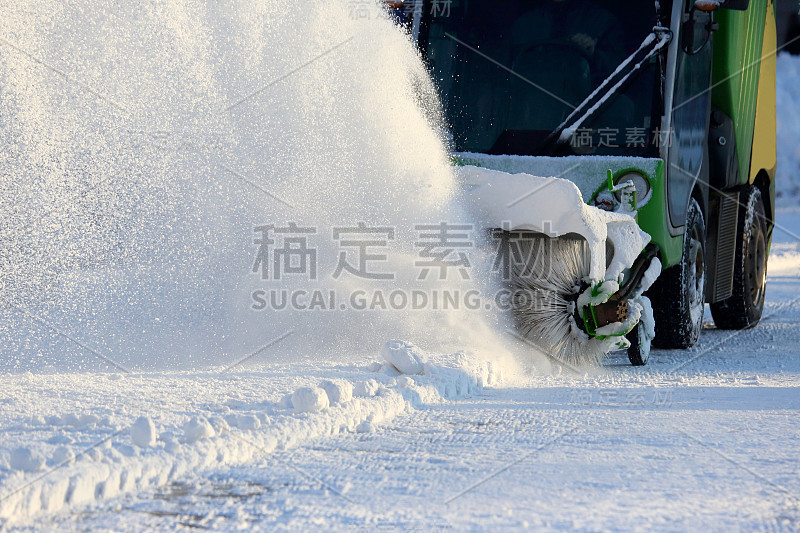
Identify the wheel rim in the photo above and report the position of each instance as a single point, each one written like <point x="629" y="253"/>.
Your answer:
<point x="755" y="266"/>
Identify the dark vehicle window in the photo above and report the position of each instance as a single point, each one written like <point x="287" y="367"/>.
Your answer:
<point x="690" y="114"/>
<point x="559" y="52"/>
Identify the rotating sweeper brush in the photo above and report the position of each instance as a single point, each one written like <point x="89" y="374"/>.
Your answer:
<point x="576" y="273"/>
<point x="547" y="279"/>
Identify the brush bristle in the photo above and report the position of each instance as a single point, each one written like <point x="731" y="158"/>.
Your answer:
<point x="546" y="276"/>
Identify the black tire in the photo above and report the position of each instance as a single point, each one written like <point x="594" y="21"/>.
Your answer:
<point x="638" y="353"/>
<point x="678" y="295"/>
<point x="744" y="307"/>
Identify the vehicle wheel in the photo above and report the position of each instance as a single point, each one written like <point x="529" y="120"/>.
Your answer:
<point x="744" y="307"/>
<point x="641" y="337"/>
<point x="678" y="294"/>
<point x="639" y="350"/>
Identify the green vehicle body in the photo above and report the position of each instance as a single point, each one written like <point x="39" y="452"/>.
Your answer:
<point x="739" y="148"/>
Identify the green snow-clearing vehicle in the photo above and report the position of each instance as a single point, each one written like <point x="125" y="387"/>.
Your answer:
<point x="661" y="109"/>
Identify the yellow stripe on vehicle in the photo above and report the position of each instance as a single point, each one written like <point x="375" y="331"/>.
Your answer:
<point x="764" y="155"/>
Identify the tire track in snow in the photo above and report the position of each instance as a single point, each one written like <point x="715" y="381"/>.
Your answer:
<point x="113" y="474"/>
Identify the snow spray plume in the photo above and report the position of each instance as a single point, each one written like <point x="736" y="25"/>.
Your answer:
<point x="144" y="145"/>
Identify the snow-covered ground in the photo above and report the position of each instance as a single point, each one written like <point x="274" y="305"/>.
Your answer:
<point x="703" y="439"/>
